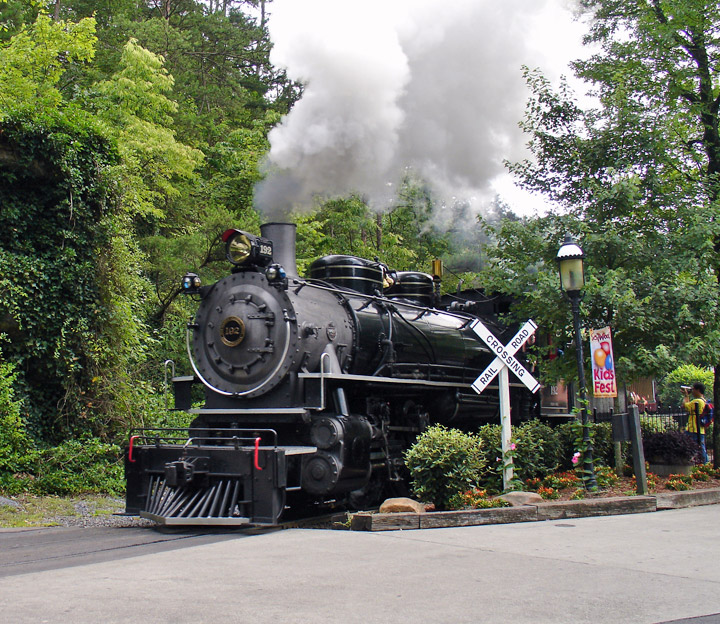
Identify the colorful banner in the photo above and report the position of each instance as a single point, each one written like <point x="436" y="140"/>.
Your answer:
<point x="604" y="384"/>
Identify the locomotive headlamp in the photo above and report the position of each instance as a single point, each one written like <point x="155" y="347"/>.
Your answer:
<point x="239" y="249"/>
<point x="191" y="283"/>
<point x="243" y="249"/>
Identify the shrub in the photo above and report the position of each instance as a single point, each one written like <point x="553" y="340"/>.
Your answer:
<point x="537" y="450"/>
<point x="540" y="450"/>
<point x="603" y="445"/>
<point x="670" y="447"/>
<point x="444" y="462"/>
<point x="17" y="450"/>
<point x="490" y="439"/>
<point x="678" y="482"/>
<point x="567" y="440"/>
<point x="606" y="477"/>
<point x="475" y="499"/>
<point x="650" y="425"/>
<point x="548" y="493"/>
<point x="80" y="466"/>
<point x="601" y="436"/>
<point x="687" y="375"/>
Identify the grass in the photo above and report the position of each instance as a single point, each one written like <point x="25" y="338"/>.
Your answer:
<point x="43" y="511"/>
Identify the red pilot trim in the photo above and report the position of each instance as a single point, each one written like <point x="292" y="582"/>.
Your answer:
<point x="257" y="454"/>
<point x="130" y="450"/>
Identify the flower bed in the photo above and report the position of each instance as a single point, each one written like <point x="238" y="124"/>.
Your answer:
<point x="567" y="486"/>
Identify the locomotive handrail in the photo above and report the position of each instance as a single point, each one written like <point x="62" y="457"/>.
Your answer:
<point x="189" y="437"/>
<point x="268" y="378"/>
<point x="376" y="379"/>
<point x="171" y="364"/>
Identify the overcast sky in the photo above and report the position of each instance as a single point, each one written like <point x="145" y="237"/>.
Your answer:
<point x="432" y="85"/>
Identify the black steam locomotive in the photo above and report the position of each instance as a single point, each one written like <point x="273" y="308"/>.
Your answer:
<point x="313" y="387"/>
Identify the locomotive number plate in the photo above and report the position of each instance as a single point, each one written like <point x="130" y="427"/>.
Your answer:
<point x="232" y="331"/>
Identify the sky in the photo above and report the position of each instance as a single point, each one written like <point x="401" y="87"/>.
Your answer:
<point x="393" y="86"/>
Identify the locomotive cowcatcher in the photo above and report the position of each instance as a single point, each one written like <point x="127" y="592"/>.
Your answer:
<point x="314" y="387"/>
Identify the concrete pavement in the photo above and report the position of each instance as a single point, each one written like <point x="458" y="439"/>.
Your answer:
<point x="638" y="568"/>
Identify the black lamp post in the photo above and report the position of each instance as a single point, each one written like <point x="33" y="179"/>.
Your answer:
<point x="572" y="279"/>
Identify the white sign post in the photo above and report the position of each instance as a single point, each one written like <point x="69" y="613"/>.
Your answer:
<point x="503" y="361"/>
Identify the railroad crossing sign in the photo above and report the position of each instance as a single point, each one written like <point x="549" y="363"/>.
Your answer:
<point x="505" y="355"/>
<point x="503" y="362"/>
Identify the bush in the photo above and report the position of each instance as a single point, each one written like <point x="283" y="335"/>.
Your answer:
<point x="670" y="447"/>
<point x="17" y="451"/>
<point x="686" y="375"/>
<point x="603" y="445"/>
<point x="78" y="467"/>
<point x="567" y="434"/>
<point x="73" y="467"/>
<point x="601" y="436"/>
<point x="475" y="499"/>
<point x="650" y="425"/>
<point x="537" y="450"/>
<point x="443" y="462"/>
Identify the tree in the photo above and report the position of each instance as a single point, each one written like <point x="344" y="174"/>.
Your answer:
<point x="32" y="66"/>
<point x="641" y="169"/>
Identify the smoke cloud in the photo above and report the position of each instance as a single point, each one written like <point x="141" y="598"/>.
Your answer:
<point x="426" y="85"/>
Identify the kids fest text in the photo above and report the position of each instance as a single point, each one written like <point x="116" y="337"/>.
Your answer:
<point x="603" y="363"/>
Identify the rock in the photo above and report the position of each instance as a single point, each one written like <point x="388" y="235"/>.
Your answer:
<point x="401" y="505"/>
<point x="7" y="502"/>
<point x="517" y="499"/>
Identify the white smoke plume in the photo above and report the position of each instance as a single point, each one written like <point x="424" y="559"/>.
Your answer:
<point x="429" y="85"/>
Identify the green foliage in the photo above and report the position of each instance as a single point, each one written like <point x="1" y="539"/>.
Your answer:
<point x="603" y="445"/>
<point x="137" y="112"/>
<point x="679" y="482"/>
<point x="650" y="425"/>
<point x="54" y="192"/>
<point x="475" y="498"/>
<point x="35" y="59"/>
<point x="490" y="436"/>
<point x="569" y="438"/>
<point x="75" y="466"/>
<point x="537" y="450"/>
<point x="80" y="466"/>
<point x="404" y="238"/>
<point x="670" y="447"/>
<point x="16" y="446"/>
<point x="606" y="477"/>
<point x="637" y="176"/>
<point x="686" y="375"/>
<point x="444" y="462"/>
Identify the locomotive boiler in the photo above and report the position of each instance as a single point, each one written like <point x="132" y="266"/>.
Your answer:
<point x="313" y="387"/>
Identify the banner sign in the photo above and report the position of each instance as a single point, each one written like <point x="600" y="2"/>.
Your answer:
<point x="603" y="363"/>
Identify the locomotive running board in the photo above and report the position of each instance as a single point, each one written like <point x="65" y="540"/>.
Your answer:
<point x="236" y="521"/>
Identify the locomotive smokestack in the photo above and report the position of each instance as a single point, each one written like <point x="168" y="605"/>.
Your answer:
<point x="283" y="237"/>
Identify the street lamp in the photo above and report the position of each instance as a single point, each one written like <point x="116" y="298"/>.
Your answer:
<point x="572" y="279"/>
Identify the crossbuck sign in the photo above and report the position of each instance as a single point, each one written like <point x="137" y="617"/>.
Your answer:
<point x="504" y="355"/>
<point x="503" y="362"/>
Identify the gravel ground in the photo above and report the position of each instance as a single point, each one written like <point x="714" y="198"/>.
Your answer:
<point x="95" y="511"/>
<point x="85" y="516"/>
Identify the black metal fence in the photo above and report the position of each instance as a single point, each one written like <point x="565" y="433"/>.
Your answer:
<point x="665" y="420"/>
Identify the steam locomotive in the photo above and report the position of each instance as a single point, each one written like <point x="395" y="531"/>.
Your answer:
<point x="313" y="387"/>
